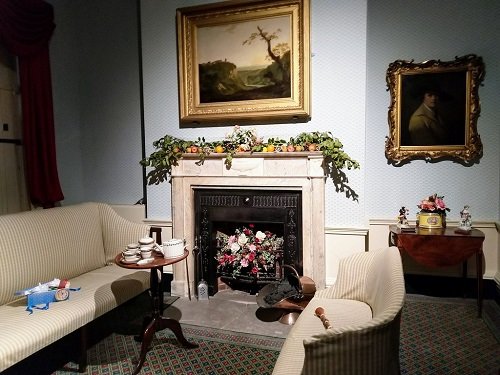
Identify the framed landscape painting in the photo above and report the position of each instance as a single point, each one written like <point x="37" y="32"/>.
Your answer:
<point x="434" y="110"/>
<point x="244" y="61"/>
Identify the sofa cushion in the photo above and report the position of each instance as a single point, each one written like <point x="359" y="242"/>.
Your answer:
<point x="22" y="334"/>
<point x="340" y="312"/>
<point x="72" y="236"/>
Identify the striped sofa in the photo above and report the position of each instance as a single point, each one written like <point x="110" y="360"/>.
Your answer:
<point x="364" y="308"/>
<point x="77" y="243"/>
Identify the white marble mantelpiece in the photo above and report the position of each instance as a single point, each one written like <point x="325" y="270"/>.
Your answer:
<point x="300" y="171"/>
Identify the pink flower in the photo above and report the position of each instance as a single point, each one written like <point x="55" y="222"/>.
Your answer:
<point x="244" y="262"/>
<point x="440" y="203"/>
<point x="254" y="271"/>
<point x="433" y="203"/>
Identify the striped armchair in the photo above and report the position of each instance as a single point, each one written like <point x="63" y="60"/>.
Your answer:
<point x="364" y="308"/>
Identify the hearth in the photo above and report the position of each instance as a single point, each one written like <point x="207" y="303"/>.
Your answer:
<point x="225" y="210"/>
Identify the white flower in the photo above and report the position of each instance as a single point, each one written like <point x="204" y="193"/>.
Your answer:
<point x="242" y="239"/>
<point x="235" y="247"/>
<point x="260" y="235"/>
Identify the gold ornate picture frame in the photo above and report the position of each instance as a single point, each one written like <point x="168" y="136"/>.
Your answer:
<point x="434" y="110"/>
<point x="244" y="61"/>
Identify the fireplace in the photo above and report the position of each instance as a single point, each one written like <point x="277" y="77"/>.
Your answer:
<point x="225" y="210"/>
<point x="255" y="184"/>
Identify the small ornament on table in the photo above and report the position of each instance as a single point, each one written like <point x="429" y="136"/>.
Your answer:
<point x="403" y="218"/>
<point x="465" y="225"/>
<point x="403" y="224"/>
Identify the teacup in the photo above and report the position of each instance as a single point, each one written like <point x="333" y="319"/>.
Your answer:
<point x="130" y="253"/>
<point x="146" y="241"/>
<point x="146" y="253"/>
<point x="133" y="246"/>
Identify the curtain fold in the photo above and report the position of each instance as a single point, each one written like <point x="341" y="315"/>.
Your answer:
<point x="26" y="27"/>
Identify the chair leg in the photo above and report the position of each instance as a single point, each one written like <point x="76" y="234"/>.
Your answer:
<point x="82" y="360"/>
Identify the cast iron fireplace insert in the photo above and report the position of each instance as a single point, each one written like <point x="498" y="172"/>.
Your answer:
<point x="225" y="210"/>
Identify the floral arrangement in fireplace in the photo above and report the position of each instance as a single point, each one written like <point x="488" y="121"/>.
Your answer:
<point x="168" y="150"/>
<point x="247" y="253"/>
<point x="433" y="203"/>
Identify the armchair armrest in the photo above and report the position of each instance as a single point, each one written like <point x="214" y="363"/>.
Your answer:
<point x="372" y="348"/>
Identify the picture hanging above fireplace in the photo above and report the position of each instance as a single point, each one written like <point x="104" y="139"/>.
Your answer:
<point x="244" y="61"/>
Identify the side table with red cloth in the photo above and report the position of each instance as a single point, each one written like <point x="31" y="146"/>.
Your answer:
<point x="441" y="248"/>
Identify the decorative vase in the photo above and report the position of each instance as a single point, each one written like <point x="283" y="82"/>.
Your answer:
<point x="431" y="220"/>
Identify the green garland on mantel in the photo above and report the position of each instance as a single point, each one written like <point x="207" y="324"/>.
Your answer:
<point x="168" y="150"/>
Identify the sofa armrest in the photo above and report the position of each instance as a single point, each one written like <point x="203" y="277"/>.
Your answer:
<point x="369" y="349"/>
<point x="117" y="231"/>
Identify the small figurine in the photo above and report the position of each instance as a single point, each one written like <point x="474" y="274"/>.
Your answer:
<point x="465" y="219"/>
<point x="402" y="218"/>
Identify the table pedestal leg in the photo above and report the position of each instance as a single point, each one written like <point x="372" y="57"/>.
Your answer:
<point x="157" y="322"/>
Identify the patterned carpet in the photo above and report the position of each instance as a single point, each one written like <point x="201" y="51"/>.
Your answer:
<point x="219" y="352"/>
<point x="438" y="336"/>
<point x="444" y="336"/>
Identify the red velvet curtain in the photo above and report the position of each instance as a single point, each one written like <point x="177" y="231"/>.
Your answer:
<point x="26" y="27"/>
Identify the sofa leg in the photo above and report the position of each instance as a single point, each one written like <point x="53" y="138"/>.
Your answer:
<point x="82" y="360"/>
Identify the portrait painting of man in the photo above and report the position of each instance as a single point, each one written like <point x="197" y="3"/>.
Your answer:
<point x="433" y="109"/>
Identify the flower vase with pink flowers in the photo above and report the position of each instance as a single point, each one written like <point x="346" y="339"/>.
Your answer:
<point x="432" y="213"/>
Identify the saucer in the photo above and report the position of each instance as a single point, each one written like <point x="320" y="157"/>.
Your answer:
<point x="131" y="260"/>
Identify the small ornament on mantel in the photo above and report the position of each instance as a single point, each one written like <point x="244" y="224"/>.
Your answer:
<point x="465" y="225"/>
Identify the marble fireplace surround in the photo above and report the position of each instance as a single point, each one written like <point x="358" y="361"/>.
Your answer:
<point x="299" y="171"/>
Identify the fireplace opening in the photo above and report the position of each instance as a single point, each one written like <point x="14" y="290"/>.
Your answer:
<point x="221" y="212"/>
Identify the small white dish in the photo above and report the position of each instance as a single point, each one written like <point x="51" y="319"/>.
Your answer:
<point x="146" y="241"/>
<point x="129" y="253"/>
<point x="131" y="260"/>
<point x="133" y="246"/>
<point x="142" y="262"/>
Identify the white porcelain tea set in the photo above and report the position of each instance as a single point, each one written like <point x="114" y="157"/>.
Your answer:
<point x="142" y="252"/>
